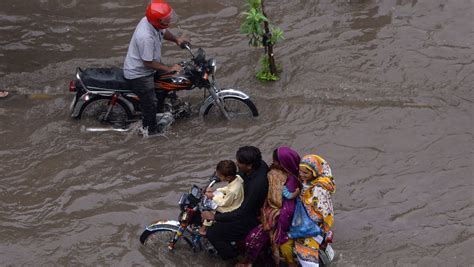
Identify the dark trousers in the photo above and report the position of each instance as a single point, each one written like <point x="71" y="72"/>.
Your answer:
<point x="150" y="104"/>
<point x="220" y="234"/>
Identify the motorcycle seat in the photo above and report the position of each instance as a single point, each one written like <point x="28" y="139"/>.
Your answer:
<point x="105" y="79"/>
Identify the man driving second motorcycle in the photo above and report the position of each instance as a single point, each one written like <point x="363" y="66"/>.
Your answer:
<point x="235" y="225"/>
<point x="144" y="59"/>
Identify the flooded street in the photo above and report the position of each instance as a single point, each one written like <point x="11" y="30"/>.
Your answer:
<point x="381" y="89"/>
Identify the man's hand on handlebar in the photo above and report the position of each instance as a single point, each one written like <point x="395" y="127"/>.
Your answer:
<point x="207" y="215"/>
<point x="180" y="41"/>
<point x="176" y="68"/>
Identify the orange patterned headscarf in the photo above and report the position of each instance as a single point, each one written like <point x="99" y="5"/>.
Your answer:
<point x="317" y="165"/>
<point x="321" y="171"/>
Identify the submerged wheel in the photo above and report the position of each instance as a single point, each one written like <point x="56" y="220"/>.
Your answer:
<point x="235" y="107"/>
<point x="159" y="239"/>
<point x="95" y="111"/>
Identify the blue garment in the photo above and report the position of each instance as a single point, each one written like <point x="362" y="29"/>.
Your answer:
<point x="302" y="225"/>
<point x="286" y="193"/>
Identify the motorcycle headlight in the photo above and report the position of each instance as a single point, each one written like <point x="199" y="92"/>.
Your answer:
<point x="212" y="65"/>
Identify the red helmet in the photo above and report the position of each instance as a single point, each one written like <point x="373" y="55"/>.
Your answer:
<point x="158" y="12"/>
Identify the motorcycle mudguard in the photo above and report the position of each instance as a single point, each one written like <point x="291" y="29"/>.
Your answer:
<point x="77" y="106"/>
<point x="156" y="225"/>
<point x="76" y="111"/>
<point x="149" y="229"/>
<point x="326" y="255"/>
<point x="222" y="93"/>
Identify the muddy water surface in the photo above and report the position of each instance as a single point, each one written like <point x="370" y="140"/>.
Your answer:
<point x="381" y="89"/>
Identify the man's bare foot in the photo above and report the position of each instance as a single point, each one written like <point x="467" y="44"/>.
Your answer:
<point x="243" y="262"/>
<point x="3" y="94"/>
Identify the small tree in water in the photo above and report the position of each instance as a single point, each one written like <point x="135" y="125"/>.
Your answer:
<point x="256" y="27"/>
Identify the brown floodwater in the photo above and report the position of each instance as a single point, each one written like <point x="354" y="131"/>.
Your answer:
<point x="381" y="89"/>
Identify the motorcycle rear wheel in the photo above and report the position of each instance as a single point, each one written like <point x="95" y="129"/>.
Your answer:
<point x="94" y="112"/>
<point x="235" y="107"/>
<point x="159" y="239"/>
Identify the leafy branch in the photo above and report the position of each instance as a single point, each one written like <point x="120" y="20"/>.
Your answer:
<point x="256" y="26"/>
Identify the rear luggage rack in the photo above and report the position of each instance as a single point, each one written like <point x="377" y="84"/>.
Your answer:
<point x="78" y="77"/>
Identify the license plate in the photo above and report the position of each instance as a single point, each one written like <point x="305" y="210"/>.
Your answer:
<point x="72" y="103"/>
<point x="330" y="252"/>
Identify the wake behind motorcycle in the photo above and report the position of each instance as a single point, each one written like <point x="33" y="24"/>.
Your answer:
<point x="169" y="235"/>
<point x="104" y="95"/>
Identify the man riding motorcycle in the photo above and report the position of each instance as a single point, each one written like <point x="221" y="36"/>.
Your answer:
<point x="234" y="226"/>
<point x="144" y="59"/>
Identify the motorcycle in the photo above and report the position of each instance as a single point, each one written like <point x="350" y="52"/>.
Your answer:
<point x="169" y="233"/>
<point x="104" y="95"/>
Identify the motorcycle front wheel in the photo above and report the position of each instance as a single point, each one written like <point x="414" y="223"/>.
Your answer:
<point x="159" y="238"/>
<point x="235" y="107"/>
<point x="97" y="111"/>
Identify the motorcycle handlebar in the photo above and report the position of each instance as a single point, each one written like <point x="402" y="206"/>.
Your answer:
<point x="185" y="45"/>
<point x="214" y="179"/>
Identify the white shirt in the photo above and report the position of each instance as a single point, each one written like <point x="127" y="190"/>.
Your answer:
<point x="144" y="46"/>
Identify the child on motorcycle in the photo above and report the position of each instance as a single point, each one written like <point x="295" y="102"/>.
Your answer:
<point x="227" y="198"/>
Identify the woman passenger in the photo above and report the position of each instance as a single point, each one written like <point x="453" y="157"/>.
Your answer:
<point x="317" y="187"/>
<point x="277" y="210"/>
